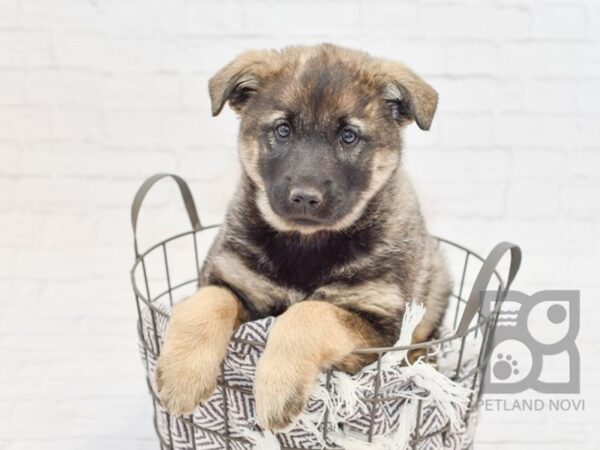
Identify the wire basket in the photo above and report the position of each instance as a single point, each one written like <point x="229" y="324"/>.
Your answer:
<point x="168" y="271"/>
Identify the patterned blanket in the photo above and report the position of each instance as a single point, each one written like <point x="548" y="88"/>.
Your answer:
<point x="338" y="417"/>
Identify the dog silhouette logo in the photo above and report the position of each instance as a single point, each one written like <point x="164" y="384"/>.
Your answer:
<point x="534" y="343"/>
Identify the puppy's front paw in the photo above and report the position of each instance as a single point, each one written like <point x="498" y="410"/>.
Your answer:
<point x="184" y="382"/>
<point x="282" y="389"/>
<point x="195" y="345"/>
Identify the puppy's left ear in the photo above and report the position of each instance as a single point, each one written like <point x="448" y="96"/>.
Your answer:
<point x="408" y="95"/>
<point x="238" y="81"/>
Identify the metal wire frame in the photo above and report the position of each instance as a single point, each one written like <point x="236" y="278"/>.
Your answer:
<point x="484" y="324"/>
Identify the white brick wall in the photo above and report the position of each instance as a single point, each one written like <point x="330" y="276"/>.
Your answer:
<point x="97" y="94"/>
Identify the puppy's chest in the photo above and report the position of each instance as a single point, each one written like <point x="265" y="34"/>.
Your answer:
<point x="270" y="271"/>
<point x="306" y="268"/>
<point x="285" y="282"/>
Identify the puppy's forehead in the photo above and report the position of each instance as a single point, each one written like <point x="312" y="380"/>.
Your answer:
<point x="320" y="88"/>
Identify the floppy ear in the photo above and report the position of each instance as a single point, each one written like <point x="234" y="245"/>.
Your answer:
<point x="239" y="79"/>
<point x="408" y="95"/>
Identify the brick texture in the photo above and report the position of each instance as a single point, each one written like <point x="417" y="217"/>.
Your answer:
<point x="97" y="95"/>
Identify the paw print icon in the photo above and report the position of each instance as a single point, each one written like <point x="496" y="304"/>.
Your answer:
<point x="505" y="367"/>
<point x="534" y="343"/>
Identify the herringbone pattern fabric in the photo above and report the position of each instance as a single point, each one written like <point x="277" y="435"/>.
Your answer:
<point x="236" y="404"/>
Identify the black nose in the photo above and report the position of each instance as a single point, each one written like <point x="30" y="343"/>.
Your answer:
<point x="305" y="197"/>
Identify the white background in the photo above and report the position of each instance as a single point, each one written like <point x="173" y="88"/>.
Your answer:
<point x="96" y="95"/>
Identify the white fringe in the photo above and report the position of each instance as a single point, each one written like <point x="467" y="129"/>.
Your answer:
<point x="449" y="397"/>
<point x="310" y="422"/>
<point x="356" y="441"/>
<point x="263" y="441"/>
<point x="406" y="426"/>
<point x="347" y="389"/>
<point x="413" y="314"/>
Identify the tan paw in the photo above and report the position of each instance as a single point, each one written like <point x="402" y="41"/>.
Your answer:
<point x="282" y="389"/>
<point x="195" y="345"/>
<point x="185" y="383"/>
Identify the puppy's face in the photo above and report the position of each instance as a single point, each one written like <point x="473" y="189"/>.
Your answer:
<point x="320" y="129"/>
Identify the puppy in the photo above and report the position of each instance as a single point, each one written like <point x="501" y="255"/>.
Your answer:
<point x="324" y="232"/>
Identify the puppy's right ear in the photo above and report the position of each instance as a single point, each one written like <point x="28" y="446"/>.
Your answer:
<point x="239" y="79"/>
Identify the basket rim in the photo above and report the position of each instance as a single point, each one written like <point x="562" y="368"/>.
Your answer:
<point x="368" y="350"/>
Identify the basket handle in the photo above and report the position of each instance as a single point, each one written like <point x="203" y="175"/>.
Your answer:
<point x="483" y="279"/>
<point x="186" y="194"/>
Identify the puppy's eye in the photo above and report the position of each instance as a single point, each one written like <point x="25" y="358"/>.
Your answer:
<point x="348" y="136"/>
<point x="283" y="131"/>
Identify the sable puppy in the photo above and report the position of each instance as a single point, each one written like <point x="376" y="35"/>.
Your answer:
<point x="325" y="230"/>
